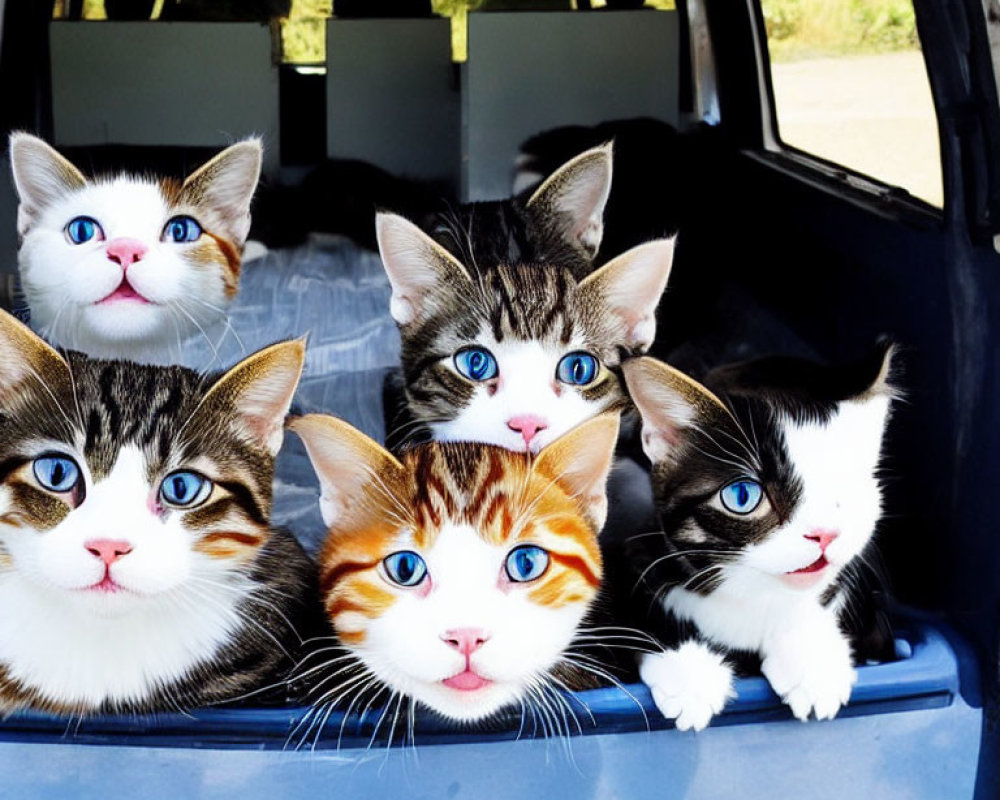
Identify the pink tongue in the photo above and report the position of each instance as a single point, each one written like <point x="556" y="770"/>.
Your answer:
<point x="125" y="292"/>
<point x="816" y="566"/>
<point x="465" y="681"/>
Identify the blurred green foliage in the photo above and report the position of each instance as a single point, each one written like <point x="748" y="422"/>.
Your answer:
<point x="303" y="37"/>
<point x="303" y="32"/>
<point x="809" y="28"/>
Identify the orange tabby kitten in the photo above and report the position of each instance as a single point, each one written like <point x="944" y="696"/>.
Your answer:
<point x="459" y="575"/>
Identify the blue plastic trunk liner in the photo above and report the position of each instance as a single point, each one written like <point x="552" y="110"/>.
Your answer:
<point x="927" y="676"/>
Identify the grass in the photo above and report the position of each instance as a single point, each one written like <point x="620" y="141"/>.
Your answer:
<point x="799" y="29"/>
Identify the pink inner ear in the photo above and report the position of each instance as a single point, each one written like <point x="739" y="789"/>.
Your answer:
<point x="266" y="425"/>
<point x="658" y="444"/>
<point x="261" y="426"/>
<point x="670" y="434"/>
<point x="642" y="329"/>
<point x="264" y="405"/>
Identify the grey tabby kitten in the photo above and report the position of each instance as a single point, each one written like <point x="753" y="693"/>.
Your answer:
<point x="138" y="570"/>
<point x="514" y="346"/>
<point x="515" y="354"/>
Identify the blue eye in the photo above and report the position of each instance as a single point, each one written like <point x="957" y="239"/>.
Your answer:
<point x="405" y="568"/>
<point x="83" y="229"/>
<point x="527" y="562"/>
<point x="577" y="369"/>
<point x="184" y="489"/>
<point x="56" y="473"/>
<point x="181" y="229"/>
<point x="476" y="363"/>
<point x="741" y="497"/>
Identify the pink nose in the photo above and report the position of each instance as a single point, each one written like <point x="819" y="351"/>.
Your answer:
<point x="124" y="251"/>
<point x="466" y="640"/>
<point x="823" y="538"/>
<point x="108" y="550"/>
<point x="527" y="425"/>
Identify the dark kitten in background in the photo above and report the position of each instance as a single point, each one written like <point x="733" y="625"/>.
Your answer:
<point x="559" y="221"/>
<point x="766" y="481"/>
<point x="661" y="174"/>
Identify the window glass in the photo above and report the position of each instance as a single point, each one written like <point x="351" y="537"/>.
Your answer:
<point x="303" y="30"/>
<point x="850" y="86"/>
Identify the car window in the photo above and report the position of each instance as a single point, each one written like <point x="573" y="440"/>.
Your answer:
<point x="850" y="86"/>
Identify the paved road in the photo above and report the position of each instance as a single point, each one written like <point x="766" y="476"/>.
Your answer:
<point x="872" y="113"/>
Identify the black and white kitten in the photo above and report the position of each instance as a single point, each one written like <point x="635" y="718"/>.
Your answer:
<point x="766" y="485"/>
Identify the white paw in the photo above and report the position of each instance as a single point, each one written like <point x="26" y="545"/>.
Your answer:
<point x="811" y="671"/>
<point x="690" y="685"/>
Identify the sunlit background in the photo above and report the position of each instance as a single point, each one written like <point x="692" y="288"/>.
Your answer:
<point x="849" y="80"/>
<point x="850" y="85"/>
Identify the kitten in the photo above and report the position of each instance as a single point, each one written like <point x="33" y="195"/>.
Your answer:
<point x="515" y="354"/>
<point x="766" y="483"/>
<point x="138" y="571"/>
<point x="459" y="575"/>
<point x="127" y="266"/>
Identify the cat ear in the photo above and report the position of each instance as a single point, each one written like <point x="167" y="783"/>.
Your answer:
<point x="881" y="363"/>
<point x="226" y="185"/>
<point x="575" y="196"/>
<point x="260" y="389"/>
<point x="416" y="266"/>
<point x="580" y="460"/>
<point x="41" y="176"/>
<point x="629" y="288"/>
<point x="353" y="470"/>
<point x="671" y="404"/>
<point x="24" y="355"/>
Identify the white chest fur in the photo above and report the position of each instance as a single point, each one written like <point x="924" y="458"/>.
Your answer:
<point x="76" y="657"/>
<point x="747" y="610"/>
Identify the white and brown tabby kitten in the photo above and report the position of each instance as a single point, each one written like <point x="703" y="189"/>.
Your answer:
<point x="138" y="570"/>
<point x="459" y="575"/>
<point x="126" y="266"/>
<point x="515" y="354"/>
<point x="767" y="489"/>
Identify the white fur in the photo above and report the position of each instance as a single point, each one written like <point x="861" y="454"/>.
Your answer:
<point x="80" y="646"/>
<point x="527" y="385"/>
<point x="757" y="607"/>
<point x="809" y="665"/>
<point x="404" y="645"/>
<point x="63" y="282"/>
<point x="689" y="685"/>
